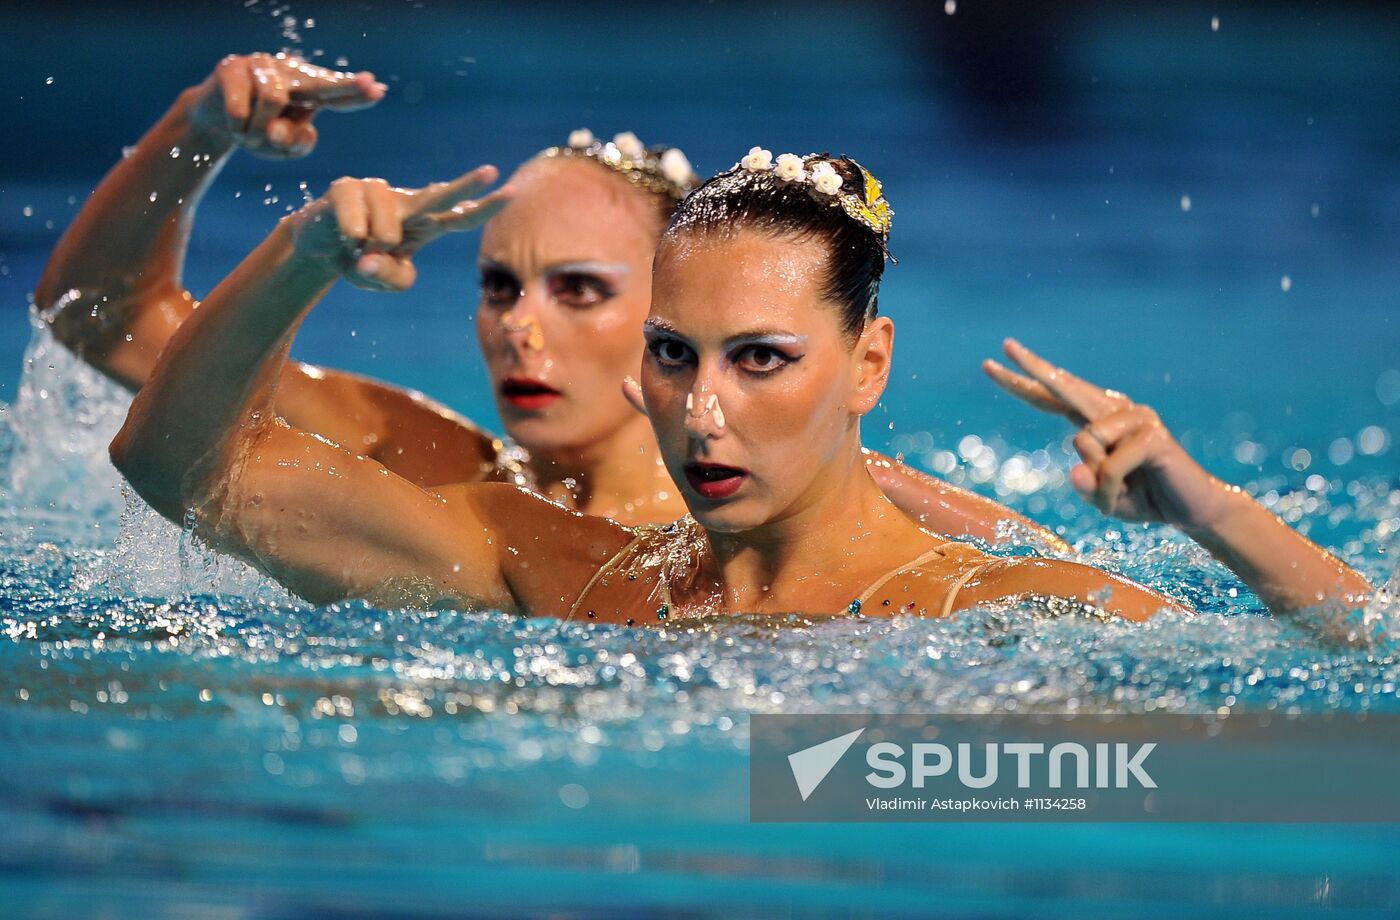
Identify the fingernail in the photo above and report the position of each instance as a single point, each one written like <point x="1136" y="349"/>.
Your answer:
<point x="370" y="265"/>
<point x="382" y="87"/>
<point x="277" y="133"/>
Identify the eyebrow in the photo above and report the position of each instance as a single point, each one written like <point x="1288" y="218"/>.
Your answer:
<point x="759" y="336"/>
<point x="588" y="268"/>
<point x="583" y="267"/>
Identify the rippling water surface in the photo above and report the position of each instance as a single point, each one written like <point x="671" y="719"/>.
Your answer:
<point x="174" y="730"/>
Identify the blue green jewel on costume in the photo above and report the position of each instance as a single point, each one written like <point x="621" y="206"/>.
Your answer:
<point x="662" y="611"/>
<point x="854" y="606"/>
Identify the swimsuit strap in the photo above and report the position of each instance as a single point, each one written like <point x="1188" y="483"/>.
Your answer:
<point x="612" y="563"/>
<point x="880" y="582"/>
<point x="962" y="581"/>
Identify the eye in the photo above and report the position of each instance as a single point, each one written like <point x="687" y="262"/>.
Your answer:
<point x="498" y="288"/>
<point x="762" y="359"/>
<point x="670" y="353"/>
<point x="579" y="290"/>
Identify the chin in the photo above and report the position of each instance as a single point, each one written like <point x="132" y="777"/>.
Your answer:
<point x="536" y="434"/>
<point x="731" y="517"/>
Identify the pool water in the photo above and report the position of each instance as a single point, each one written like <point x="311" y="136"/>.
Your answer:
<point x="179" y="738"/>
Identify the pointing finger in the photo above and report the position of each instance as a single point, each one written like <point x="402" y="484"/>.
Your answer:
<point x="1029" y="391"/>
<point x="443" y="195"/>
<point x="335" y="89"/>
<point x="1085" y="398"/>
<point x="468" y="215"/>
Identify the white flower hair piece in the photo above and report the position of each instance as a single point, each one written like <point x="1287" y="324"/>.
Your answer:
<point x="629" y="145"/>
<point x="676" y="168"/>
<point x="664" y="170"/>
<point x="866" y="203"/>
<point x="789" y="168"/>
<point x="758" y="160"/>
<point x="825" y="178"/>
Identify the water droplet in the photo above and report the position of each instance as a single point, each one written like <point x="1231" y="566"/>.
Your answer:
<point x="174" y="153"/>
<point x="1185" y="202"/>
<point x="1286" y="283"/>
<point x="27" y="211"/>
<point x="1215" y="23"/>
<point x="154" y="195"/>
<point x="48" y="81"/>
<point x="950" y="7"/>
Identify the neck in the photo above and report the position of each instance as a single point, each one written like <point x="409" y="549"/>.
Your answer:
<point x="829" y="530"/>
<point x="620" y="476"/>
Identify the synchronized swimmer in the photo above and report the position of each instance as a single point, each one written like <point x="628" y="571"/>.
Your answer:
<point x="565" y="271"/>
<point x="764" y="348"/>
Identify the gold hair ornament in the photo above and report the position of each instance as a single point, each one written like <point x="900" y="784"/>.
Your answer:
<point x="866" y="205"/>
<point x="664" y="170"/>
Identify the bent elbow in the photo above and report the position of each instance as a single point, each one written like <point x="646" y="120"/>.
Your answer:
<point x="159" y="488"/>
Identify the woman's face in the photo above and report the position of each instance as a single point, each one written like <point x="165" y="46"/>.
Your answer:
<point x="739" y="328"/>
<point x="565" y="285"/>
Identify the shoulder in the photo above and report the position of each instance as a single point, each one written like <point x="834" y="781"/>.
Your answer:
<point x="522" y="513"/>
<point x="415" y="436"/>
<point x="999" y="578"/>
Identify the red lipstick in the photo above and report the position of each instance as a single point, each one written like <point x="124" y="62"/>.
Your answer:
<point x="714" y="481"/>
<point x="528" y="394"/>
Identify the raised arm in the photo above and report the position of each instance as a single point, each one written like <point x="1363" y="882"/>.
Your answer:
<point x="112" y="291"/>
<point x="1135" y="470"/>
<point x="201" y="435"/>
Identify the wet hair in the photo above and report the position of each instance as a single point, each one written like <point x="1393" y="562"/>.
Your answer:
<point x="744" y="199"/>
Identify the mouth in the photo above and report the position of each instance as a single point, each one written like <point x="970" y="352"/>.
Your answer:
<point x="714" y="481"/>
<point x="528" y="394"/>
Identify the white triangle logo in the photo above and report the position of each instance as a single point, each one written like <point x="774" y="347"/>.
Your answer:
<point x="811" y="765"/>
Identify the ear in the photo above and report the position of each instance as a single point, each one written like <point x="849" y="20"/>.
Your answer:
<point x="873" y="353"/>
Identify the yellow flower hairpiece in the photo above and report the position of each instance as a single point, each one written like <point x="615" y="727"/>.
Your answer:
<point x="872" y="208"/>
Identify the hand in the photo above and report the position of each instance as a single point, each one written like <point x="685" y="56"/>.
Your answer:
<point x="266" y="103"/>
<point x="368" y="231"/>
<point x="1133" y="468"/>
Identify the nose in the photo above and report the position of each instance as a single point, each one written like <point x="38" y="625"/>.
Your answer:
<point x="704" y="415"/>
<point x="521" y="324"/>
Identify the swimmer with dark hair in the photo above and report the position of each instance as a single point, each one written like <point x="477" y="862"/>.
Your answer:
<point x="565" y="275"/>
<point x="764" y="351"/>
